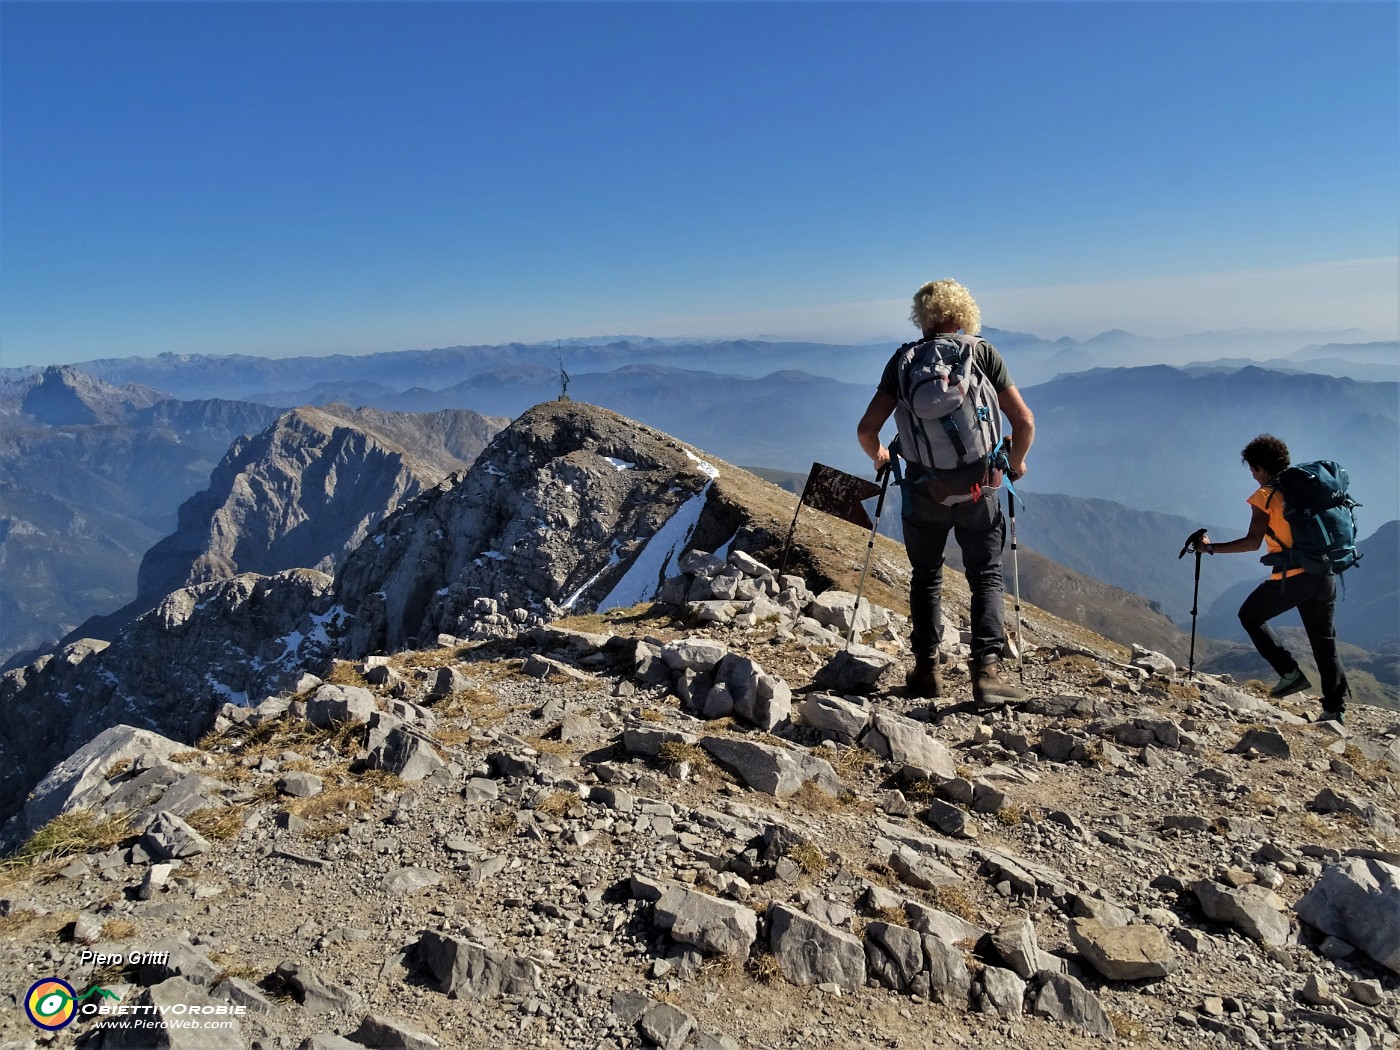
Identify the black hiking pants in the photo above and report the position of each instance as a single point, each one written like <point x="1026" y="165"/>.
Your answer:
<point x="1315" y="598"/>
<point x="980" y="529"/>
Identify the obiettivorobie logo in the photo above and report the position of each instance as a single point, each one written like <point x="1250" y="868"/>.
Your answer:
<point x="52" y="1003"/>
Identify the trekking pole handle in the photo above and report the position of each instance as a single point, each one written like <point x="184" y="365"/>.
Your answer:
<point x="1192" y="544"/>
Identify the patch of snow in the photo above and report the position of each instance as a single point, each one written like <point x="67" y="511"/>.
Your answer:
<point x="613" y="559"/>
<point x="642" y="580"/>
<point x="230" y="696"/>
<point x="291" y="643"/>
<point x="619" y="464"/>
<point x="493" y="555"/>
<point x="723" y="552"/>
<point x="705" y="468"/>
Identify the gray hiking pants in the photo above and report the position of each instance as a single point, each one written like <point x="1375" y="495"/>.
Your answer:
<point x="980" y="529"/>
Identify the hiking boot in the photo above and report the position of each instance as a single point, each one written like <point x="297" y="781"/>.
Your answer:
<point x="1338" y="715"/>
<point x="925" y="681"/>
<point x="1295" y="681"/>
<point x="989" y="688"/>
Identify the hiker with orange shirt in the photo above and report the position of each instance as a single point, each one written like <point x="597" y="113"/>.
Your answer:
<point x="1313" y="594"/>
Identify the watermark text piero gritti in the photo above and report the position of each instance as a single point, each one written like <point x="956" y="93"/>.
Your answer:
<point x="91" y="958"/>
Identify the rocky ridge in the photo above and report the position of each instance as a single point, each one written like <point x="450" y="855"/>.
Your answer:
<point x="568" y="507"/>
<point x="656" y="828"/>
<point x="308" y="490"/>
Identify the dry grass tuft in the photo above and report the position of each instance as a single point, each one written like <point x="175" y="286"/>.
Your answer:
<point x="480" y="705"/>
<point x="955" y="901"/>
<point x="118" y="768"/>
<point x="923" y="790"/>
<point x="765" y="967"/>
<point x="1125" y="1027"/>
<point x="553" y="747"/>
<point x="118" y="930"/>
<point x="607" y="623"/>
<point x="68" y="834"/>
<point x="807" y="857"/>
<point x="16" y="921"/>
<point x="881" y="874"/>
<point x="852" y="761"/>
<point x="891" y="916"/>
<point x="220" y="823"/>
<point x="722" y="968"/>
<point x="557" y="803"/>
<point x="382" y="780"/>
<point x="651" y="715"/>
<point x="1011" y="815"/>
<point x="674" y="752"/>
<point x="332" y="803"/>
<point x="1072" y="663"/>
<point x="814" y="799"/>
<point x="344" y="672"/>
<point x="186" y="757"/>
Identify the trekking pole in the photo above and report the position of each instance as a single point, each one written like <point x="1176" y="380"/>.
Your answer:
<point x="883" y="476"/>
<point x="1193" y="543"/>
<point x="1016" y="585"/>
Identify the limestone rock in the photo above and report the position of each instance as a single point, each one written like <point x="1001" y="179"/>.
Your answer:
<point x="856" y="669"/>
<point x="1358" y="901"/>
<point x="1062" y="998"/>
<point x="715" y="926"/>
<point x="894" y="956"/>
<point x="811" y="952"/>
<point x="909" y="743"/>
<point x="1001" y="992"/>
<point x="1251" y="909"/>
<point x="835" y="714"/>
<point x="81" y="781"/>
<point x="771" y="769"/>
<point x="376" y="1030"/>
<point x="465" y="970"/>
<point x="1123" y="953"/>
<point x="1263" y="741"/>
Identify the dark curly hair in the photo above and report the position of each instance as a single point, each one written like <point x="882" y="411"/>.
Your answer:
<point x="1266" y="453"/>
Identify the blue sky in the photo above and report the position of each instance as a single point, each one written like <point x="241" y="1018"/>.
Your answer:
<point x="346" y="177"/>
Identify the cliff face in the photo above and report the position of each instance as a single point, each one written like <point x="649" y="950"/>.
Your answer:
<point x="306" y="491"/>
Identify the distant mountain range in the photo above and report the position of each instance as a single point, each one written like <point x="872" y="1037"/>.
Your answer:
<point x="1032" y="359"/>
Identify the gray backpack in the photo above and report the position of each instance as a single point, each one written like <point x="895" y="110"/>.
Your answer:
<point x="948" y="417"/>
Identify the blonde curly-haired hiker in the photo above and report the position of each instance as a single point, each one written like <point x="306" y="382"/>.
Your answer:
<point x="948" y="391"/>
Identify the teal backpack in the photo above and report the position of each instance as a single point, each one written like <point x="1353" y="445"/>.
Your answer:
<point x="1322" y="516"/>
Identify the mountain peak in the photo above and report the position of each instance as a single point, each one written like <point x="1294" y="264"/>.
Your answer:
<point x="61" y="395"/>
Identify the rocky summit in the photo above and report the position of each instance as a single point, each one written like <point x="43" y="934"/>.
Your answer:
<point x="565" y="756"/>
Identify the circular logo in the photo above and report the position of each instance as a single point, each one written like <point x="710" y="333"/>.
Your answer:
<point x="51" y="1003"/>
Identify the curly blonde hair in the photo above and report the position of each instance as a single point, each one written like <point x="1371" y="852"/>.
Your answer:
<point x="942" y="301"/>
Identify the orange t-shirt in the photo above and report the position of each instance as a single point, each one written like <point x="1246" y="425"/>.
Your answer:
<point x="1270" y="502"/>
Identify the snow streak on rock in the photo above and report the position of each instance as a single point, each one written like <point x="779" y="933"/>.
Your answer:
<point x="655" y="561"/>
